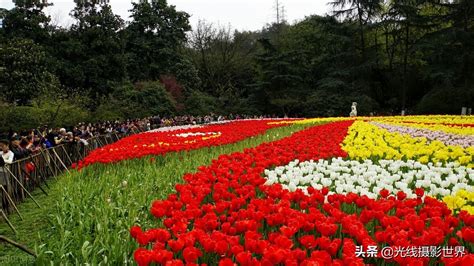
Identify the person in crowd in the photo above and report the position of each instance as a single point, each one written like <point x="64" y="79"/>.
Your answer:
<point x="6" y="155"/>
<point x="36" y="144"/>
<point x="51" y="138"/>
<point x="6" y="158"/>
<point x="61" y="138"/>
<point x="69" y="138"/>
<point x="25" y="142"/>
<point x="18" y="151"/>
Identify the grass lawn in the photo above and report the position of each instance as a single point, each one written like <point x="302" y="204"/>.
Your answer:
<point x="87" y="216"/>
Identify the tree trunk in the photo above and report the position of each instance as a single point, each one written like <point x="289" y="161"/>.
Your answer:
<point x="361" y="31"/>
<point x="389" y="53"/>
<point x="466" y="66"/>
<point x="376" y="48"/>
<point x="405" y="67"/>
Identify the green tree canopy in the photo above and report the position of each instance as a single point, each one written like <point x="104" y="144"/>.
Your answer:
<point x="153" y="39"/>
<point x="24" y="71"/>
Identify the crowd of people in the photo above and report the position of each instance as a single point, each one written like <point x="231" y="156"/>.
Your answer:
<point x="18" y="145"/>
<point x="25" y="143"/>
<point x="159" y="121"/>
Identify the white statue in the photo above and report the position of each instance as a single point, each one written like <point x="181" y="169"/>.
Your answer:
<point x="353" y="109"/>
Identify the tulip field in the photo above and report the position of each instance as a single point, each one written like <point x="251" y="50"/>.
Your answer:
<point x="323" y="191"/>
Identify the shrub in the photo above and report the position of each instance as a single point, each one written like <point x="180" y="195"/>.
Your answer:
<point x="200" y="103"/>
<point x="446" y="101"/>
<point x="52" y="112"/>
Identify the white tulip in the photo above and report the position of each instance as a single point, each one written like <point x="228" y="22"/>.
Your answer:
<point x="292" y="187"/>
<point x="369" y="178"/>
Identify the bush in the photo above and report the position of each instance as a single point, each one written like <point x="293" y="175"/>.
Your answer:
<point x="446" y="101"/>
<point x="200" y="103"/>
<point x="365" y="104"/>
<point x="52" y="112"/>
<point x="127" y="101"/>
<point x="149" y="98"/>
<point x="133" y="101"/>
<point x="110" y="109"/>
<point x="243" y="106"/>
<point x="326" y="103"/>
<point x="17" y="118"/>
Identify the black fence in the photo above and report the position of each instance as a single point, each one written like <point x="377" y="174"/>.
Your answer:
<point x="23" y="176"/>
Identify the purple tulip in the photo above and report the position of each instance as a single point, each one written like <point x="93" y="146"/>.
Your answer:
<point x="447" y="138"/>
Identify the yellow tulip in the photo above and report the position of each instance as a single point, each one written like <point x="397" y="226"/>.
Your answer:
<point x="365" y="140"/>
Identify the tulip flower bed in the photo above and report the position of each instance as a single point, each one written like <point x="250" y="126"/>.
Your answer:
<point x="369" y="178"/>
<point x="366" y="140"/>
<point x="447" y="120"/>
<point x="183" y="139"/>
<point x="458" y="129"/>
<point x="453" y="139"/>
<point x="229" y="212"/>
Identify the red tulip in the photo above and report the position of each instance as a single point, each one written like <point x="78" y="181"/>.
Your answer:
<point x="135" y="231"/>
<point x="384" y="193"/>
<point x="401" y="195"/>
<point x="191" y="254"/>
<point x="419" y="192"/>
<point x="143" y="256"/>
<point x="226" y="262"/>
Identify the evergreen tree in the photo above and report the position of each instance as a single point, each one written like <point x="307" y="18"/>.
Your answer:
<point x="91" y="54"/>
<point x="154" y="37"/>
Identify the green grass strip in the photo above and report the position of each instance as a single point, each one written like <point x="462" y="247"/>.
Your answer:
<point x="88" y="214"/>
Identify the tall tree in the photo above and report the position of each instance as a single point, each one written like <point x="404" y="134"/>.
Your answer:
<point x="3" y="13"/>
<point x="91" y="54"/>
<point x="448" y="54"/>
<point x="24" y="73"/>
<point x="280" y="79"/>
<point x="224" y="59"/>
<point x="27" y="20"/>
<point x="154" y="36"/>
<point x="361" y="11"/>
<point x="410" y="25"/>
<point x="461" y="14"/>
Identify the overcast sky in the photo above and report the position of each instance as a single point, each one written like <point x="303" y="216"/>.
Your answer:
<point x="241" y="14"/>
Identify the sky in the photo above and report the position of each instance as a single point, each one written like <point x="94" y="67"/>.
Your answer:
<point x="240" y="14"/>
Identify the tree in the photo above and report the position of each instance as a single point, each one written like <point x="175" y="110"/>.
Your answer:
<point x="27" y="20"/>
<point x="200" y="103"/>
<point x="409" y="27"/>
<point x="3" y="13"/>
<point x="91" y="54"/>
<point x="24" y="73"/>
<point x="138" y="100"/>
<point x="154" y="37"/>
<point x="454" y="44"/>
<point x="224" y="60"/>
<point x="406" y="13"/>
<point x="281" y="79"/>
<point x="361" y="11"/>
<point x="405" y="54"/>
